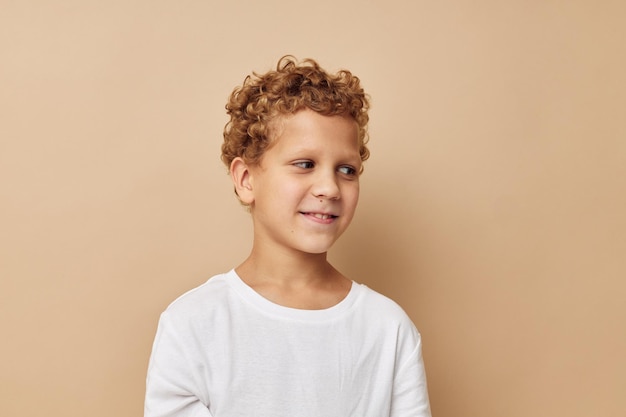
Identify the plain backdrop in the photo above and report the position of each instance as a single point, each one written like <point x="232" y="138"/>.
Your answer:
<point x="493" y="207"/>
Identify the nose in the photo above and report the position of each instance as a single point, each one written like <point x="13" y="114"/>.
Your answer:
<point x="326" y="186"/>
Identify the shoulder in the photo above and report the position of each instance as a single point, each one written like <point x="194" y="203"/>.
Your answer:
<point x="378" y="309"/>
<point x="381" y="319"/>
<point x="201" y="300"/>
<point x="381" y="305"/>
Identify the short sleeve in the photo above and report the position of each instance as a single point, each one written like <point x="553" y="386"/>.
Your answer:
<point x="171" y="383"/>
<point x="410" y="393"/>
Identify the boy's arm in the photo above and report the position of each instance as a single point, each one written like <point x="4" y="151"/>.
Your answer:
<point x="171" y="384"/>
<point x="410" y="393"/>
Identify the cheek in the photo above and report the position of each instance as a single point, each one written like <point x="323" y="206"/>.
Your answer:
<point x="292" y="188"/>
<point x="277" y="189"/>
<point x="351" y="196"/>
<point x="281" y="197"/>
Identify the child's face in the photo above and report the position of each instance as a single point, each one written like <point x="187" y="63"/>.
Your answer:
<point x="306" y="186"/>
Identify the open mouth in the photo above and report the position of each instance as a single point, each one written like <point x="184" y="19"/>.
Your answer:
<point x="321" y="216"/>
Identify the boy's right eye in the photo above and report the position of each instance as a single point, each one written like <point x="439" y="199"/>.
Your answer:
<point x="304" y="164"/>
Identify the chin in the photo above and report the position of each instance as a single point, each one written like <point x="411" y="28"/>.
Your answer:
<point x="317" y="249"/>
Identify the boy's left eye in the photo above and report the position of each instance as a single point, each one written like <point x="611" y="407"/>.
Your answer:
<point x="347" y="170"/>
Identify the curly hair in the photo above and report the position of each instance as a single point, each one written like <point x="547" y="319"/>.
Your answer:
<point x="293" y="86"/>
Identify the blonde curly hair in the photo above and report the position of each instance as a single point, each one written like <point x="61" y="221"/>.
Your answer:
<point x="293" y="86"/>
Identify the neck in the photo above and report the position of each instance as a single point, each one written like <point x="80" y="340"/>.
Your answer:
<point x="297" y="280"/>
<point x="292" y="269"/>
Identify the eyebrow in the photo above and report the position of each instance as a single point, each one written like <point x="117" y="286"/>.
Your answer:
<point x="298" y="150"/>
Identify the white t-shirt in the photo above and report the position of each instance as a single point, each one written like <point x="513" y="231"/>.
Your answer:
<point x="222" y="350"/>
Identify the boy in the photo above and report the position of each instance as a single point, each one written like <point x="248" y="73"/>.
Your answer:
<point x="285" y="333"/>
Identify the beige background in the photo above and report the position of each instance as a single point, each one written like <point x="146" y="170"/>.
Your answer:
<point x="492" y="207"/>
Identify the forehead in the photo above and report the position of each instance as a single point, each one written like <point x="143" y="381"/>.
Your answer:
<point x="307" y="129"/>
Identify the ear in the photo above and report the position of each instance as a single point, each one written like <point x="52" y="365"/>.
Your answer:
<point x="242" y="178"/>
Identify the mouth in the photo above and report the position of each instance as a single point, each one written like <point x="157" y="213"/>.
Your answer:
<point x="321" y="216"/>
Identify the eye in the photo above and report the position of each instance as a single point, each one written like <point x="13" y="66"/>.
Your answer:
<point x="304" y="164"/>
<point x="347" y="170"/>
